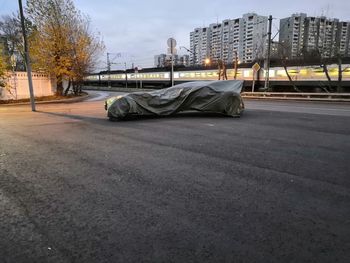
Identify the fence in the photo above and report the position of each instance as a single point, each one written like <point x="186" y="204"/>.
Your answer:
<point x="298" y="96"/>
<point x="17" y="86"/>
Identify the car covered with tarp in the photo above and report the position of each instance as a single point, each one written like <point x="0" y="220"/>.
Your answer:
<point x="221" y="97"/>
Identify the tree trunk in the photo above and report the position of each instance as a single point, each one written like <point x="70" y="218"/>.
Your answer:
<point x="290" y="79"/>
<point x="76" y="87"/>
<point x="68" y="88"/>
<point x="325" y="70"/>
<point x="59" y="89"/>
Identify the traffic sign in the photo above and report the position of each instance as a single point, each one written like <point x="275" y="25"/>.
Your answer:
<point x="174" y="51"/>
<point x="256" y="67"/>
<point x="171" y="44"/>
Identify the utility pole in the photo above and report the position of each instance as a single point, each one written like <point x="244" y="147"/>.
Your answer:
<point x="27" y="58"/>
<point x="126" y="77"/>
<point x="172" y="63"/>
<point x="109" y="70"/>
<point x="236" y="65"/>
<point x="172" y="44"/>
<point x="267" y="66"/>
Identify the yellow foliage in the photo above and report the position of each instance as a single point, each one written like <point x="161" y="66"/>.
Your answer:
<point x="61" y="43"/>
<point x="2" y="68"/>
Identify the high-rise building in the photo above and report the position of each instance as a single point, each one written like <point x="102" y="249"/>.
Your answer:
<point x="292" y="35"/>
<point x="199" y="45"/>
<point x="159" y="60"/>
<point x="244" y="36"/>
<point x="163" y="60"/>
<point x="184" y="60"/>
<point x="254" y="36"/>
<point x="216" y="42"/>
<point x="301" y="35"/>
<point x="343" y="39"/>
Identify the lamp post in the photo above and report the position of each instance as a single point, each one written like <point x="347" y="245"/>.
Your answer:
<point x="193" y="53"/>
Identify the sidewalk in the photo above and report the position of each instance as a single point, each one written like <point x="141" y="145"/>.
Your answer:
<point x="68" y="100"/>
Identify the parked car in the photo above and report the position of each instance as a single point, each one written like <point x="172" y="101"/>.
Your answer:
<point x="222" y="97"/>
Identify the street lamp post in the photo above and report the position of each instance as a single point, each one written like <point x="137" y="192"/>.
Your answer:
<point x="193" y="53"/>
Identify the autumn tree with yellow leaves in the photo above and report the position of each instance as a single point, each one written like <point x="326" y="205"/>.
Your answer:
<point x="3" y="68"/>
<point x="61" y="42"/>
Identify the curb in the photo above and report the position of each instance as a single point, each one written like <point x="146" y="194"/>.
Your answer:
<point x="71" y="100"/>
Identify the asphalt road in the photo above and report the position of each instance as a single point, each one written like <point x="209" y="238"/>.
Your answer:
<point x="271" y="186"/>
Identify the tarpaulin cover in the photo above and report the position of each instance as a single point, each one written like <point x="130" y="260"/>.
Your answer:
<point x="205" y="96"/>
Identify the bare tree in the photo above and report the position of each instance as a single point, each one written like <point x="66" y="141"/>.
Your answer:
<point x="283" y="51"/>
<point x="10" y="29"/>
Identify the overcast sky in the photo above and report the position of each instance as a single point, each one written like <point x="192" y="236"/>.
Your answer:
<point x="139" y="29"/>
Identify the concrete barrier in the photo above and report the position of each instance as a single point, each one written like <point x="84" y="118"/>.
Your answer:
<point x="344" y="97"/>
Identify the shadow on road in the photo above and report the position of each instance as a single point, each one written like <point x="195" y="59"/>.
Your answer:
<point x="77" y="117"/>
<point x="139" y="118"/>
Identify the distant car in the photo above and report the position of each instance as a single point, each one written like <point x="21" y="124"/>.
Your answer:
<point x="222" y="97"/>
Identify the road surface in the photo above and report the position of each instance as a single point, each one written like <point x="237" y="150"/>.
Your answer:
<point x="271" y="186"/>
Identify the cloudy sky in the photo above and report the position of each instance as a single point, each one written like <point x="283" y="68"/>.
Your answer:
<point x="139" y="29"/>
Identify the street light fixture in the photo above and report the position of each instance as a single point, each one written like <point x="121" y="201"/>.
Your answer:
<point x="207" y="62"/>
<point x="193" y="53"/>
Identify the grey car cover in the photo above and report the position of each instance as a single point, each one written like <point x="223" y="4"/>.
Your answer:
<point x="205" y="96"/>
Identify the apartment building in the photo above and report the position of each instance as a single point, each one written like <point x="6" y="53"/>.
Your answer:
<point x="292" y="32"/>
<point x="164" y="60"/>
<point x="216" y="41"/>
<point x="254" y="36"/>
<point x="199" y="45"/>
<point x="242" y="36"/>
<point x="301" y="35"/>
<point x="159" y="60"/>
<point x="343" y="38"/>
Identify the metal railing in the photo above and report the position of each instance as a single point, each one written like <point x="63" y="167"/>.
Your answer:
<point x="298" y="96"/>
